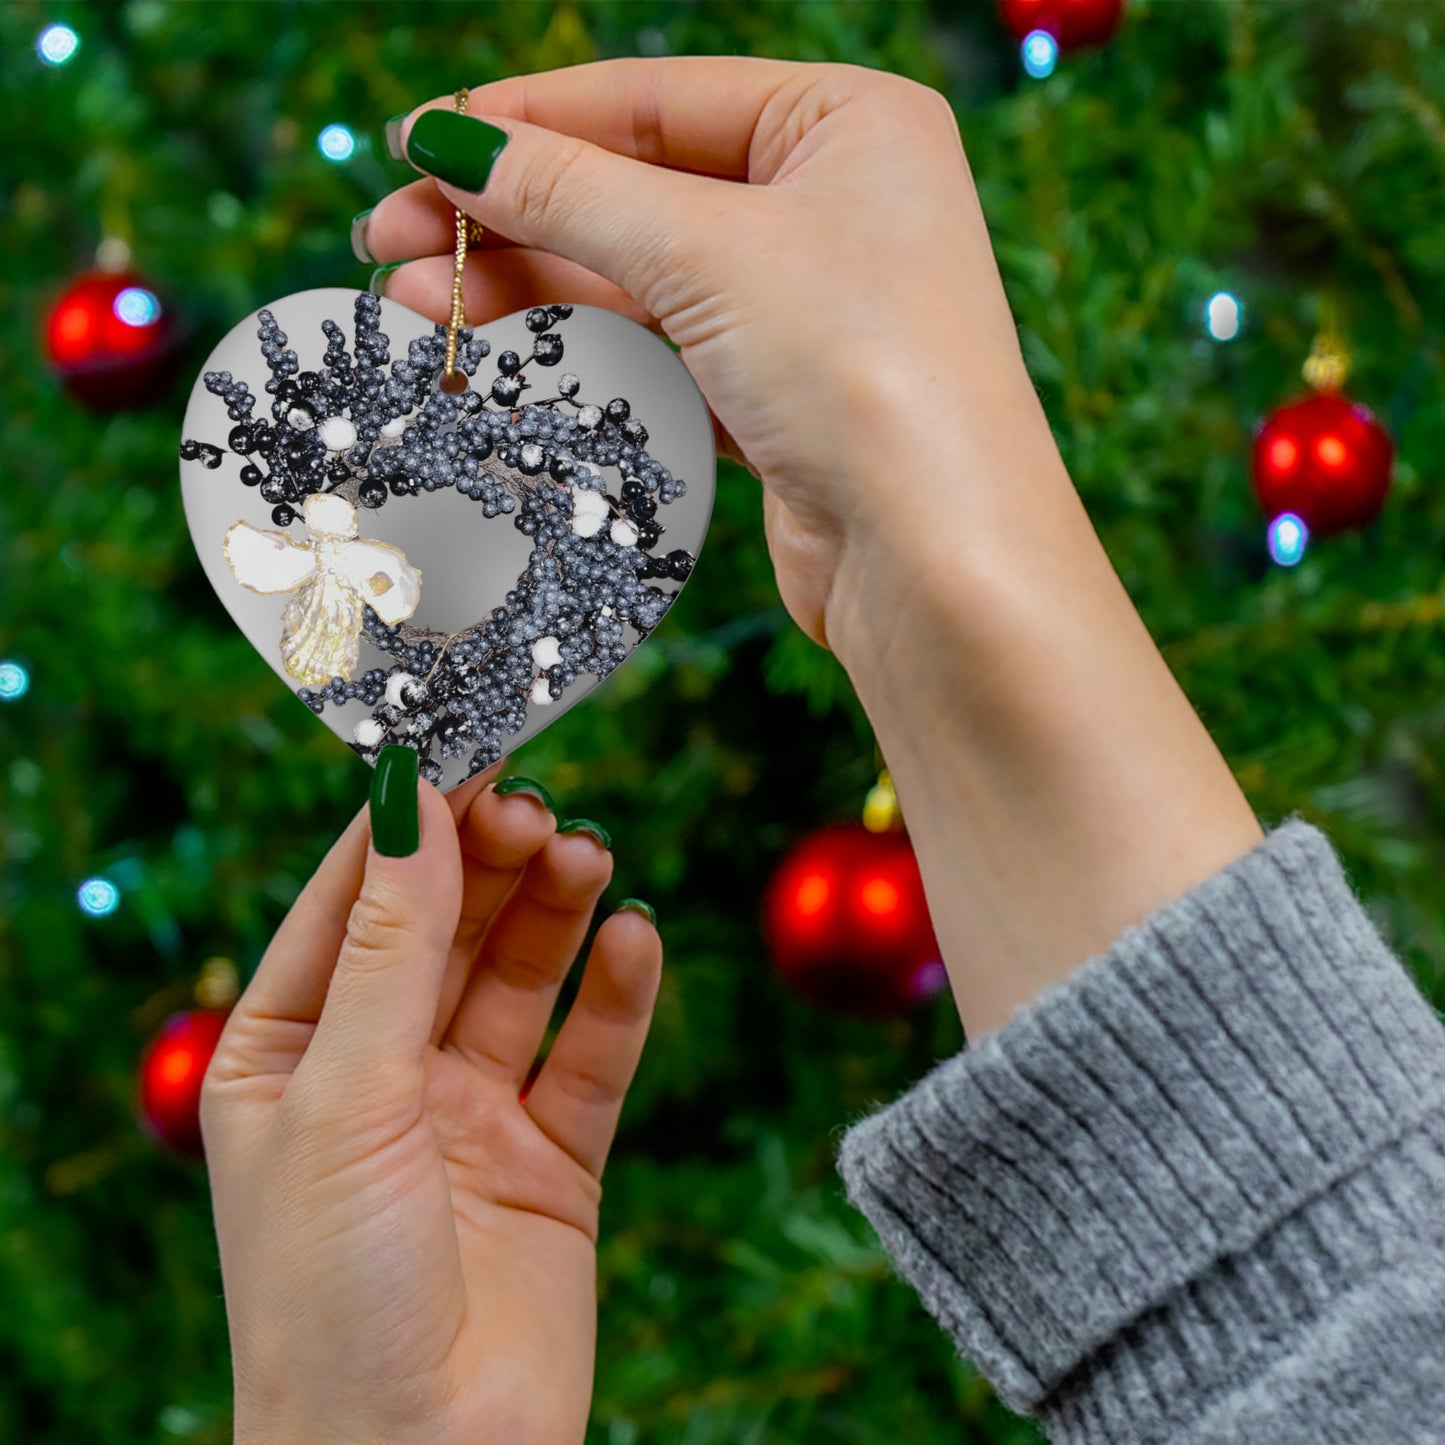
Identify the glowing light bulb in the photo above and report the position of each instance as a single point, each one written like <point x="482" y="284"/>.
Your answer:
<point x="14" y="681"/>
<point x="1331" y="451"/>
<point x="336" y="143"/>
<point x="57" y="44"/>
<point x="1223" y="316"/>
<point x="137" y="307"/>
<point x="1288" y="538"/>
<point x="1040" y="54"/>
<point x="98" y="897"/>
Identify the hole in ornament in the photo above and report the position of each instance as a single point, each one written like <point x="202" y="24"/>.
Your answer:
<point x="453" y="383"/>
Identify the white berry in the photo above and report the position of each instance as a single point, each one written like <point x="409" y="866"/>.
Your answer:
<point x="394" y="685"/>
<point x="368" y="732"/>
<point x="300" y="418"/>
<point x="624" y="533"/>
<point x="547" y="652"/>
<point x="338" y="434"/>
<point x="394" y="427"/>
<point x="542" y="690"/>
<point x="588" y="502"/>
<point x="588" y="524"/>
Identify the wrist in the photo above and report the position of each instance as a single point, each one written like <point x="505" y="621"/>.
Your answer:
<point x="936" y="541"/>
<point x="1057" y="784"/>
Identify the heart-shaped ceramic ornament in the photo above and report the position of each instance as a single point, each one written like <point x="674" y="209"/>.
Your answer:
<point x="447" y="571"/>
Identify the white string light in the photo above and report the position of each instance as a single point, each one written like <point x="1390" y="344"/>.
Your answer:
<point x="57" y="44"/>
<point x="14" y="681"/>
<point x="336" y="143"/>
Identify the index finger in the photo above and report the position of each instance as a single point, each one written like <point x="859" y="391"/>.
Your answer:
<point x="699" y="113"/>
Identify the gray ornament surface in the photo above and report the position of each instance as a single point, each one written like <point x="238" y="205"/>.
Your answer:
<point x="445" y="573"/>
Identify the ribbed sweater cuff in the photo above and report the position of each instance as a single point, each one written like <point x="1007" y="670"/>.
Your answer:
<point x="1133" y="1155"/>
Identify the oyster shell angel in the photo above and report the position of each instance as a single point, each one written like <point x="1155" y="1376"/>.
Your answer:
<point x="334" y="574"/>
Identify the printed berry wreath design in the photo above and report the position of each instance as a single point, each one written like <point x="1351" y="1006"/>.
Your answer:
<point x="354" y="435"/>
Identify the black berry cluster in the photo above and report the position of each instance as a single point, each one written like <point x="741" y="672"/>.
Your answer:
<point x="586" y="597"/>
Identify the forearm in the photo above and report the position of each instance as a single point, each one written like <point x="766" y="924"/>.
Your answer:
<point x="1057" y="784"/>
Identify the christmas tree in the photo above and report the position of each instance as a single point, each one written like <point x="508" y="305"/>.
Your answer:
<point x="1180" y="214"/>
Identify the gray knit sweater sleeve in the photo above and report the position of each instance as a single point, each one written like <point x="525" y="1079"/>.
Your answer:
<point x="1196" y="1192"/>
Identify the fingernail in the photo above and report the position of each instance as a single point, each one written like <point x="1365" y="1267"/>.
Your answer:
<point x="393" y="136"/>
<point x="455" y="148"/>
<point x="636" y="905"/>
<point x="525" y="785"/>
<point x="377" y="284"/>
<point x="586" y="825"/>
<point x="395" y="824"/>
<point x="359" y="248"/>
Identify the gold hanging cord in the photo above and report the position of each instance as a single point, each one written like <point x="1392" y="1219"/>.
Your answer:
<point x="452" y="381"/>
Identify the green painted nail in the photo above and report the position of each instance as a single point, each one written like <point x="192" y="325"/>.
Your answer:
<point x="359" y="247"/>
<point x="395" y="825"/>
<point x="636" y="905"/>
<point x="527" y="786"/>
<point x="455" y="148"/>
<point x="377" y="284"/>
<point x="586" y="825"/>
<point x="393" y="136"/>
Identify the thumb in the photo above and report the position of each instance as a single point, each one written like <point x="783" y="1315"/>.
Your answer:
<point x="637" y="225"/>
<point x="382" y="1000"/>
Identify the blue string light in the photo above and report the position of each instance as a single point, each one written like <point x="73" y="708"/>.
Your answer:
<point x="1288" y="538"/>
<point x="336" y="143"/>
<point x="14" y="681"/>
<point x="57" y="44"/>
<point x="137" y="307"/>
<point x="98" y="897"/>
<point x="1040" y="54"/>
<point x="1223" y="316"/>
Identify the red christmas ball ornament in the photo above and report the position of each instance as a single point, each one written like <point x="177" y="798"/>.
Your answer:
<point x="1326" y="459"/>
<point x="171" y="1071"/>
<point x="1073" y="23"/>
<point x="111" y="341"/>
<point x="847" y="923"/>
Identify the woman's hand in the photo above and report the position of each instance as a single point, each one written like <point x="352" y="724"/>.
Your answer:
<point x="808" y="235"/>
<point x="407" y="1246"/>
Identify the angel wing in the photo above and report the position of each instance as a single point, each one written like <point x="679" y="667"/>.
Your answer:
<point x="383" y="577"/>
<point x="266" y="561"/>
